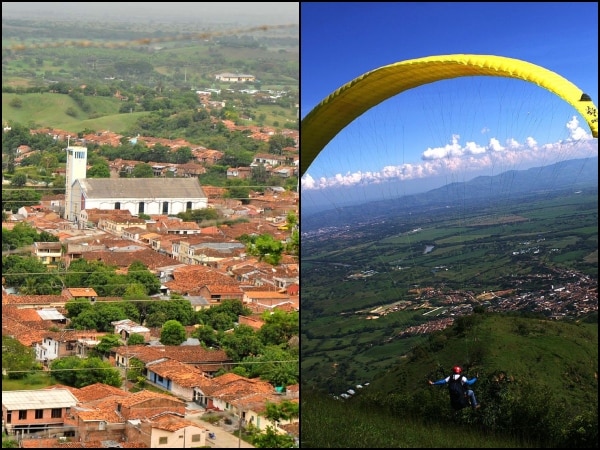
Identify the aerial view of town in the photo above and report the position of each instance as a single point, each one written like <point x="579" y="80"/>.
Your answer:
<point x="150" y="226"/>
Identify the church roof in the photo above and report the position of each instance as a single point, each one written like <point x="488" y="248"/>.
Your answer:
<point x="142" y="188"/>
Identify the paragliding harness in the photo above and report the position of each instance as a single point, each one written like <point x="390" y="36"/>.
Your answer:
<point x="458" y="393"/>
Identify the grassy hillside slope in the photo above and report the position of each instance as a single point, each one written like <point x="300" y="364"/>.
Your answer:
<point x="537" y="386"/>
<point x="50" y="110"/>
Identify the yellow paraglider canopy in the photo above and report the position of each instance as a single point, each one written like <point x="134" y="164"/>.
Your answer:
<point x="351" y="100"/>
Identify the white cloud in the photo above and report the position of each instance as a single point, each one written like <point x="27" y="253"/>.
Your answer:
<point x="471" y="157"/>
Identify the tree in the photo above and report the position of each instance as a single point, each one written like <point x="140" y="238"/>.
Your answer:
<point x="293" y="245"/>
<point x="139" y="273"/>
<point x="135" y="369"/>
<point x="17" y="358"/>
<point x="266" y="248"/>
<point x="242" y="343"/>
<point x="272" y="439"/>
<point x="135" y="291"/>
<point x="172" y="333"/>
<point x="76" y="306"/>
<point x="107" y="343"/>
<point x="17" y="269"/>
<point x="284" y="410"/>
<point x="278" y="142"/>
<point x="291" y="219"/>
<point x="279" y="327"/>
<point x="142" y="170"/>
<point x="206" y="335"/>
<point x="136" y="339"/>
<point x="16" y="102"/>
<point x="99" y="170"/>
<point x="77" y="372"/>
<point x="161" y="311"/>
<point x="19" y="180"/>
<point x="274" y="364"/>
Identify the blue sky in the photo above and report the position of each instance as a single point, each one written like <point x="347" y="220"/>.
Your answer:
<point x="452" y="130"/>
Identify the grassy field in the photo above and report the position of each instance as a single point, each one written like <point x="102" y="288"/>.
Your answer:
<point x="328" y="423"/>
<point x="33" y="381"/>
<point x="49" y="110"/>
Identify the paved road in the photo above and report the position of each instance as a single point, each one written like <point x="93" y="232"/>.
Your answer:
<point x="223" y="438"/>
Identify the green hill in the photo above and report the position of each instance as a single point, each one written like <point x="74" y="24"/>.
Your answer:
<point x="50" y="110"/>
<point x="537" y="385"/>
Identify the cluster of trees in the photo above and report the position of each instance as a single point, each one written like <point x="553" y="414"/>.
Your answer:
<point x="270" y="353"/>
<point x="22" y="235"/>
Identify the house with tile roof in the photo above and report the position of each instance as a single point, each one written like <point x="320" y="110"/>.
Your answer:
<point x="167" y="431"/>
<point x="253" y="410"/>
<point x="126" y="327"/>
<point x="77" y="293"/>
<point x="48" y="253"/>
<point x="90" y="217"/>
<point x="116" y="224"/>
<point x="187" y="280"/>
<point x="35" y="301"/>
<point x="268" y="299"/>
<point x="109" y="417"/>
<point x="216" y="293"/>
<point x="208" y="361"/>
<point x="218" y="392"/>
<point x="25" y="411"/>
<point x="123" y="257"/>
<point x="102" y="416"/>
<point x="68" y="442"/>
<point x="175" y="377"/>
<point x="59" y="344"/>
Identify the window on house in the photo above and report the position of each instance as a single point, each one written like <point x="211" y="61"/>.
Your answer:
<point x="22" y="415"/>
<point x="162" y="440"/>
<point x="141" y="208"/>
<point x="117" y="205"/>
<point x="8" y="416"/>
<point x="160" y="379"/>
<point x="195" y="438"/>
<point x="39" y="413"/>
<point x="189" y="205"/>
<point x="165" y="208"/>
<point x="56" y="413"/>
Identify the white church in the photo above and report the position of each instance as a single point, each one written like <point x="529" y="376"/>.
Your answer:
<point x="150" y="196"/>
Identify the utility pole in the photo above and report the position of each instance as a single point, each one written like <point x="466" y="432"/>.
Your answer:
<point x="240" y="431"/>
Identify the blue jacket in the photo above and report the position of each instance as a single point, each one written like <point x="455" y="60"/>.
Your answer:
<point x="464" y="380"/>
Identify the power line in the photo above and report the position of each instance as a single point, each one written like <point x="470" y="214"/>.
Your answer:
<point x="73" y="369"/>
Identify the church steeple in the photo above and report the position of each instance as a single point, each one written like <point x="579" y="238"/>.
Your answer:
<point x="76" y="169"/>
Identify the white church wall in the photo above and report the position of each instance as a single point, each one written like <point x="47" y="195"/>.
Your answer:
<point x="152" y="205"/>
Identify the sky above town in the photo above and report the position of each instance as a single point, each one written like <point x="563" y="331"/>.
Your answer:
<point x="217" y="12"/>
<point x="451" y="130"/>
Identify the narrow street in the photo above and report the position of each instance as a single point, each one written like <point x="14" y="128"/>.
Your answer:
<point x="223" y="438"/>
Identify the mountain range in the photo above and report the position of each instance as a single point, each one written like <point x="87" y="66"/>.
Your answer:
<point x="565" y="176"/>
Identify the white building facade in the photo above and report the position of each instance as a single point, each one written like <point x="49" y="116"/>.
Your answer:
<point x="150" y="196"/>
<point x="168" y="196"/>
